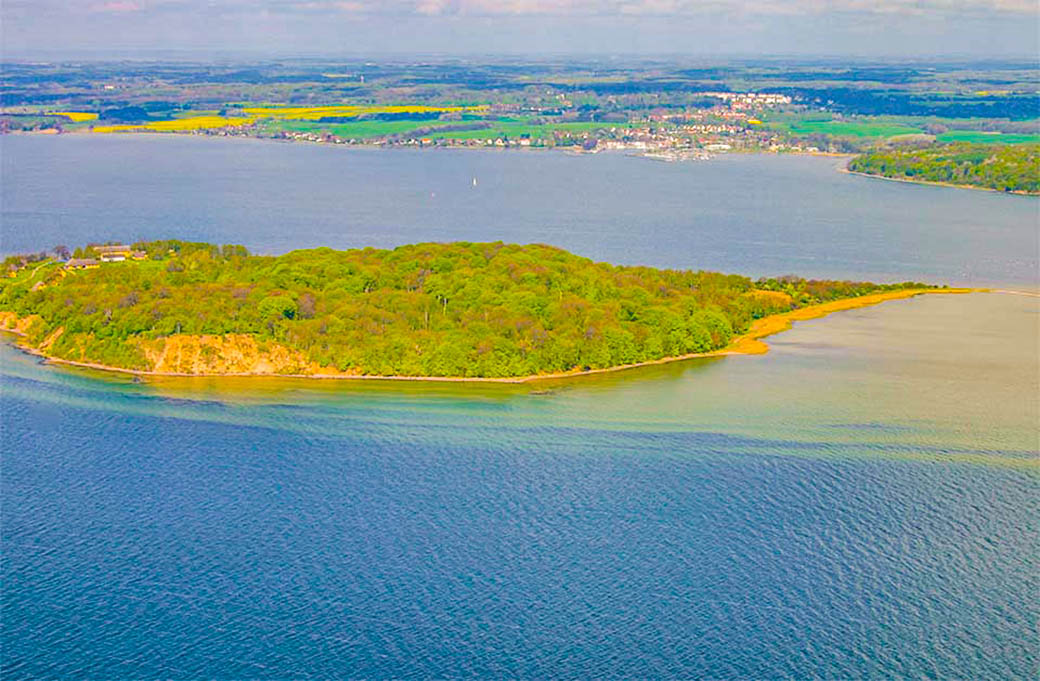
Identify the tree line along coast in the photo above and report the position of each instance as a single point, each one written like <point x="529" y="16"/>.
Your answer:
<point x="1014" y="169"/>
<point x="458" y="310"/>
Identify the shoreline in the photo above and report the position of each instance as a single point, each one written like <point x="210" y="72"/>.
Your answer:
<point x="573" y="150"/>
<point x="934" y="183"/>
<point x="749" y="343"/>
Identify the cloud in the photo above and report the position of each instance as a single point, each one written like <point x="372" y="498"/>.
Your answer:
<point x="336" y="6"/>
<point x="985" y="28"/>
<point x="504" y="8"/>
<point x="432" y="6"/>
<point x="609" y="8"/>
<point x="117" y="7"/>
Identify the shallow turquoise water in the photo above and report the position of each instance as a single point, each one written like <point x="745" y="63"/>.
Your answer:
<point x="860" y="503"/>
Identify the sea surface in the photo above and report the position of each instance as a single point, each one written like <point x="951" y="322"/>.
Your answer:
<point x="758" y="215"/>
<point x="863" y="502"/>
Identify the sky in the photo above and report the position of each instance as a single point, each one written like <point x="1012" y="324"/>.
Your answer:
<point x="207" y="28"/>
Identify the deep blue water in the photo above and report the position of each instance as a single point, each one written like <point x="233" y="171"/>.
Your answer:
<point x="678" y="523"/>
<point x="863" y="502"/>
<point x="251" y="553"/>
<point x="753" y="215"/>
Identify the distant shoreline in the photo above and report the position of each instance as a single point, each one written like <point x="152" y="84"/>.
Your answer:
<point x="572" y="150"/>
<point x="749" y="343"/>
<point x="934" y="183"/>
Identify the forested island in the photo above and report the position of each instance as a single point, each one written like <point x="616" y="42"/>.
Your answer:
<point x="1003" y="168"/>
<point x="464" y="310"/>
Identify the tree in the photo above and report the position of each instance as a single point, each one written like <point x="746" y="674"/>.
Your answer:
<point x="277" y="306"/>
<point x="305" y="306"/>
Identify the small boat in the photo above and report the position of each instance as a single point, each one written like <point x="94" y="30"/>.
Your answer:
<point x="474" y="182"/>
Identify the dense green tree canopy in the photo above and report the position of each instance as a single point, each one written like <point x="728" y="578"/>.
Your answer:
<point x="1011" y="168"/>
<point x="457" y="309"/>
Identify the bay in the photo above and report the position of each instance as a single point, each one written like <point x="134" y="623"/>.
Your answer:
<point x="758" y="215"/>
<point x="860" y="503"/>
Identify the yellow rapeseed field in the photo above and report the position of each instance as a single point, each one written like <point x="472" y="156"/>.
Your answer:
<point x="317" y="112"/>
<point x="281" y="112"/>
<point x="179" y="124"/>
<point x="76" y="116"/>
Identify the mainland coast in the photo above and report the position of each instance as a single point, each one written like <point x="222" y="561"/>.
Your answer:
<point x="934" y="183"/>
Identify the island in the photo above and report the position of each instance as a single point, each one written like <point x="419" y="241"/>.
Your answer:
<point x="441" y="311"/>
<point x="1005" y="168"/>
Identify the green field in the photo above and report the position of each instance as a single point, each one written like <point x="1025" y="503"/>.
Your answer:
<point x="358" y="130"/>
<point x="515" y="130"/>
<point x="368" y="129"/>
<point x="848" y="128"/>
<point x="881" y="127"/>
<point x="986" y="137"/>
